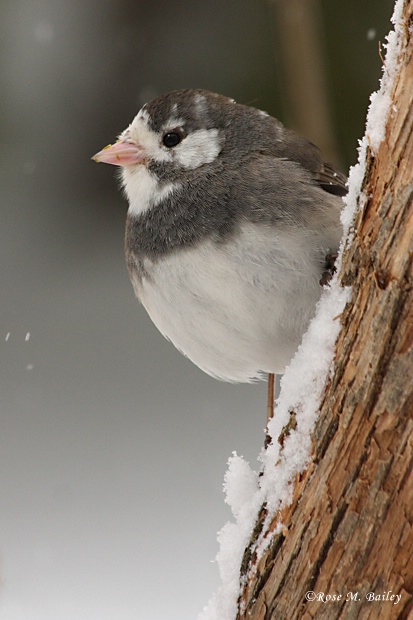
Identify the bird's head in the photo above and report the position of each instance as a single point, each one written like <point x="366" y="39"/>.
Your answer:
<point x="173" y="136"/>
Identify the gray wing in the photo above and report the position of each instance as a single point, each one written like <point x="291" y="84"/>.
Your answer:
<point x="304" y="152"/>
<point x="283" y="191"/>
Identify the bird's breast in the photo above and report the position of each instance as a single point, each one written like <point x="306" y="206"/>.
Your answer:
<point x="234" y="308"/>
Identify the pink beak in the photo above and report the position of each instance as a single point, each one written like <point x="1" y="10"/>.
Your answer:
<point x="121" y="153"/>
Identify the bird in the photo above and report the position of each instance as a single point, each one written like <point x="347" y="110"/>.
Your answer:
<point x="231" y="232"/>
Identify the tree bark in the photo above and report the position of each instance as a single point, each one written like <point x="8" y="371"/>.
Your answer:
<point x="349" y="529"/>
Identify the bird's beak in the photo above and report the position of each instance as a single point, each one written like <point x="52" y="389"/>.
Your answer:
<point x="122" y="153"/>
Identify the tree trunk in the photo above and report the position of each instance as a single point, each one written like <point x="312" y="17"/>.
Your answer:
<point x="349" y="530"/>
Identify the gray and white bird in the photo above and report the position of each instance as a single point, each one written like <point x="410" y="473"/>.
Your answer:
<point x="231" y="219"/>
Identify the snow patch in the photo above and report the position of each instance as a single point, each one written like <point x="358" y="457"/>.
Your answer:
<point x="244" y="498"/>
<point x="240" y="484"/>
<point x="301" y="390"/>
<point x="380" y="101"/>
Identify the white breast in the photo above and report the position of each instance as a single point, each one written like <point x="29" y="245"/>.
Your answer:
<point x="239" y="308"/>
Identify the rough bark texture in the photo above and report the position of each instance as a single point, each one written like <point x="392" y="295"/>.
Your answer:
<point x="349" y="530"/>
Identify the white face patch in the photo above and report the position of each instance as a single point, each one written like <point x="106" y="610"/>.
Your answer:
<point x="199" y="147"/>
<point x="140" y="132"/>
<point x="142" y="189"/>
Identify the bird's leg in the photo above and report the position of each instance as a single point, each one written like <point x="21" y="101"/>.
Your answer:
<point x="270" y="405"/>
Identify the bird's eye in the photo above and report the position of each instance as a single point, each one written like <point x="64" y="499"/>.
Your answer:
<point x="172" y="138"/>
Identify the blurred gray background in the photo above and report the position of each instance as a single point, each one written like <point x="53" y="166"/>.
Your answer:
<point x="113" y="446"/>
